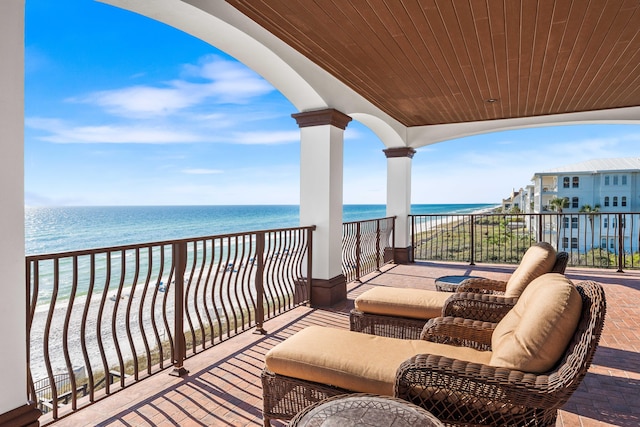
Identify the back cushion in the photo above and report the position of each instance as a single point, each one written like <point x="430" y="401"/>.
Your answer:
<point x="538" y="260"/>
<point x="535" y="333"/>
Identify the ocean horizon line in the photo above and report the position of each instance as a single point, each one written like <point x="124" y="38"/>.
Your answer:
<point x="69" y="228"/>
<point x="245" y="204"/>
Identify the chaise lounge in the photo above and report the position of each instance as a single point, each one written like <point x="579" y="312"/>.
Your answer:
<point x="402" y="312"/>
<point x="516" y="372"/>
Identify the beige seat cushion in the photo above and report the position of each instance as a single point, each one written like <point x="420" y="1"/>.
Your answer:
<point x="538" y="260"/>
<point x="354" y="361"/>
<point x="402" y="302"/>
<point x="535" y="333"/>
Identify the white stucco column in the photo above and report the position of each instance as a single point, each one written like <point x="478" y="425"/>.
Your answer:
<point x="14" y="409"/>
<point x="321" y="180"/>
<point x="399" y="199"/>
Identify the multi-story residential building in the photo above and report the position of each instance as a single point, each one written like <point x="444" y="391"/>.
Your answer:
<point x="611" y="187"/>
<point x="513" y="201"/>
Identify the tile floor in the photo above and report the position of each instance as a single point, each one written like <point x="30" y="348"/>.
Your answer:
<point x="223" y="386"/>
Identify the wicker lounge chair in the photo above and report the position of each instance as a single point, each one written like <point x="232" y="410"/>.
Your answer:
<point x="486" y="390"/>
<point x="402" y="312"/>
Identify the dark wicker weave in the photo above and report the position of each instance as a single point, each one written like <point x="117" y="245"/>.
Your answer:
<point x="485" y="307"/>
<point x="283" y="397"/>
<point x="463" y="393"/>
<point x="459" y="332"/>
<point x="385" y="326"/>
<point x="363" y="408"/>
<point x="462" y="303"/>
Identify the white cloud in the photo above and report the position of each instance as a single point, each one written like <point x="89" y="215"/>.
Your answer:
<point x="266" y="137"/>
<point x="231" y="81"/>
<point x="216" y="79"/>
<point x="352" y="134"/>
<point x="62" y="132"/>
<point x="202" y="171"/>
<point x="144" y="100"/>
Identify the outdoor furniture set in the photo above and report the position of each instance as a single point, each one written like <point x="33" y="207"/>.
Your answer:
<point x="402" y="312"/>
<point x="465" y="370"/>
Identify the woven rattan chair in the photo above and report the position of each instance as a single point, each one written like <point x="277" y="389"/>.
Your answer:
<point x="476" y="298"/>
<point x="463" y="393"/>
<point x="460" y="393"/>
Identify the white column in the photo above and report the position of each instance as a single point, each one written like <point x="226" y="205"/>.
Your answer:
<point x="14" y="410"/>
<point x="399" y="199"/>
<point x="321" y="181"/>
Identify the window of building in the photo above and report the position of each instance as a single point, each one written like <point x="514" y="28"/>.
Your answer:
<point x="574" y="202"/>
<point x="603" y="243"/>
<point x="576" y="182"/>
<point x="615" y="200"/>
<point x="605" y="223"/>
<point x="614" y="223"/>
<point x="565" y="222"/>
<point x="606" y="201"/>
<point x="606" y="181"/>
<point x="574" y="222"/>
<point x="565" y="242"/>
<point x="624" y="179"/>
<point x="574" y="243"/>
<point x="615" y="180"/>
<point x="612" y="243"/>
<point x="565" y="182"/>
<point x="624" y="201"/>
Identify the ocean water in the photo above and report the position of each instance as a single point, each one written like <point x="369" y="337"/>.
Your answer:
<point x="60" y="229"/>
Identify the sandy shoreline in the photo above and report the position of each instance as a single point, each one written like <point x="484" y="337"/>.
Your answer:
<point x="108" y="319"/>
<point x="99" y="323"/>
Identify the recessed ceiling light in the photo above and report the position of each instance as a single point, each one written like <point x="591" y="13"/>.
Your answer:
<point x="491" y="100"/>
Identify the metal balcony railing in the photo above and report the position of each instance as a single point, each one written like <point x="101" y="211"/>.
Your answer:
<point x="99" y="320"/>
<point x="366" y="246"/>
<point x="594" y="239"/>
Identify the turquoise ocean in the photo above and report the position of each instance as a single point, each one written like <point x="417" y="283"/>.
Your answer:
<point x="53" y="230"/>
<point x="61" y="229"/>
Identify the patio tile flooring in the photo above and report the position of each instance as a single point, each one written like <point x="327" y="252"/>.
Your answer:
<point x="223" y="387"/>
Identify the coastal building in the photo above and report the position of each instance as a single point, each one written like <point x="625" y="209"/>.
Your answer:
<point x="513" y="201"/>
<point x="606" y="190"/>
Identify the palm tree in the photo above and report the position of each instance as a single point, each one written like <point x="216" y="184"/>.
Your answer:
<point x="557" y="204"/>
<point x="592" y="211"/>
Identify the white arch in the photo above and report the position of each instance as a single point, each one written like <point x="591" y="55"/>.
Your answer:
<point x="302" y="82"/>
<point x="308" y="87"/>
<point x="220" y="25"/>
<point x="387" y="133"/>
<point x="427" y="135"/>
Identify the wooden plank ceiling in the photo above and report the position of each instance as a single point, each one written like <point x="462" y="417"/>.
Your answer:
<point x="430" y="62"/>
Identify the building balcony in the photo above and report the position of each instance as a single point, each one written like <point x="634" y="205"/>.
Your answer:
<point x="223" y="385"/>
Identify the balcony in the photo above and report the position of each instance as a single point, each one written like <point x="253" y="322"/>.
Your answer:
<point x="223" y="385"/>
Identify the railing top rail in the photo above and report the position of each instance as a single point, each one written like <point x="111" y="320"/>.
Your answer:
<point x="80" y="252"/>
<point x="547" y="213"/>
<point x="369" y="220"/>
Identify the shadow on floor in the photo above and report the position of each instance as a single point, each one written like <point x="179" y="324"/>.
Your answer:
<point x="608" y="399"/>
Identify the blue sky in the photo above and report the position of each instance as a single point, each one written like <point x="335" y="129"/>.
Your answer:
<point x="123" y="110"/>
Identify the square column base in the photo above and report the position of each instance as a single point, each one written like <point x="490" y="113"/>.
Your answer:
<point x="328" y="292"/>
<point x="399" y="255"/>
<point x="24" y="416"/>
